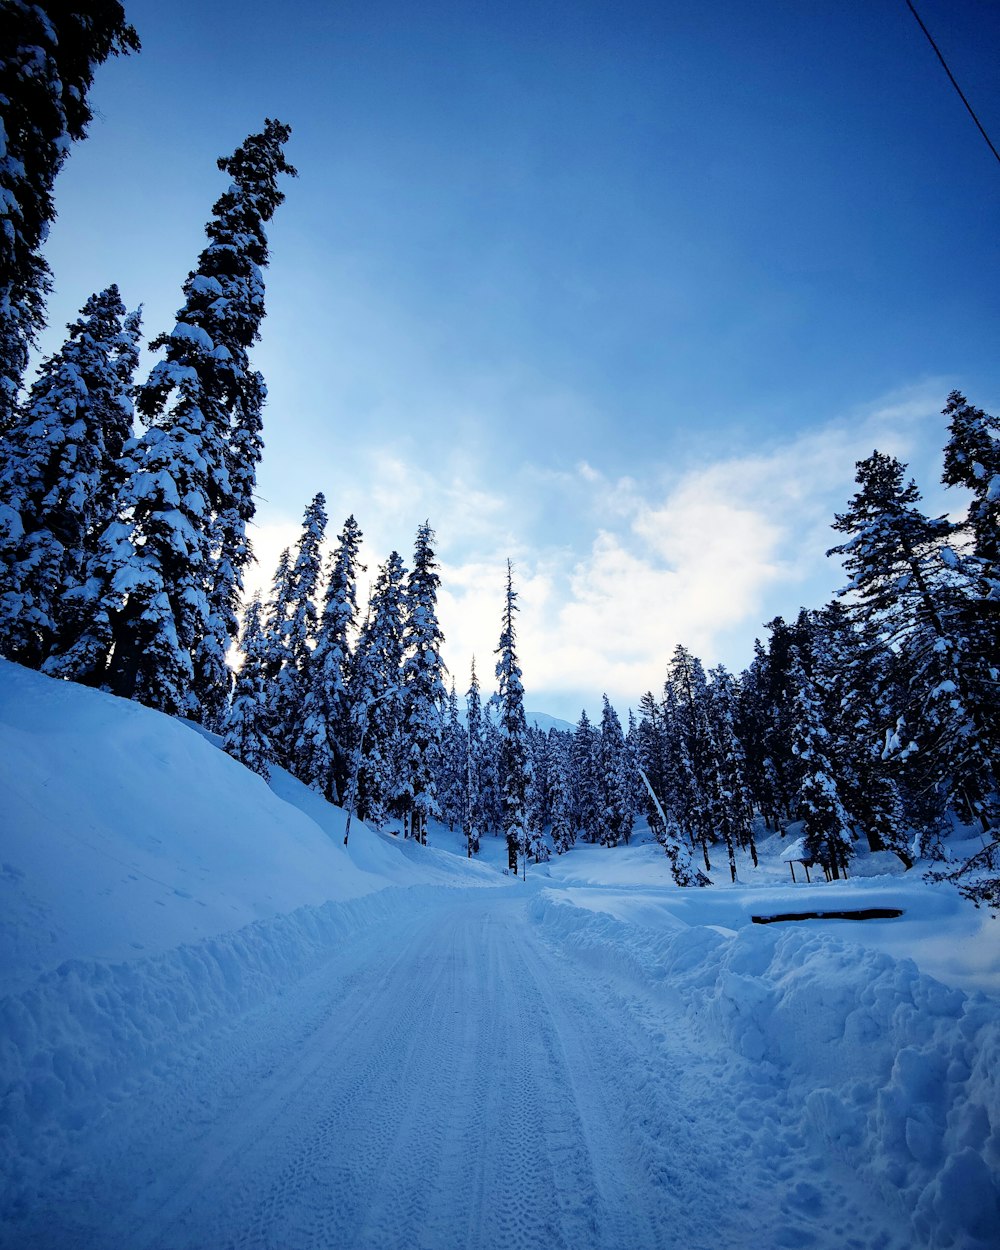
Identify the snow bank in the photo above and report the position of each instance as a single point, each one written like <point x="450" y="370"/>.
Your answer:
<point x="153" y="890"/>
<point x="889" y="1069"/>
<point x="86" y="1034"/>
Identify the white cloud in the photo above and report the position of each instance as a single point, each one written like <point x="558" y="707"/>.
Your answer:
<point x="613" y="573"/>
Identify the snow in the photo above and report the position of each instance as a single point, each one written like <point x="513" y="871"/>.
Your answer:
<point x="220" y="1027"/>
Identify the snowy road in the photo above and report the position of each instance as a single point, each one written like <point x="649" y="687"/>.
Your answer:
<point x="452" y="1078"/>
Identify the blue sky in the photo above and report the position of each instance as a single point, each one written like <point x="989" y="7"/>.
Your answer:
<point x="620" y="290"/>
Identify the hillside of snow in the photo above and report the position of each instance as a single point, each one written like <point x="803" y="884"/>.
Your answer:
<point x="220" y="1027"/>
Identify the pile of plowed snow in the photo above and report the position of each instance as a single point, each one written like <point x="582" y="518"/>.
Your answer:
<point x="151" y="887"/>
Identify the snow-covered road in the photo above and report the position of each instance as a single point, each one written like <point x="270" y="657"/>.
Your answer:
<point x="453" y="1077"/>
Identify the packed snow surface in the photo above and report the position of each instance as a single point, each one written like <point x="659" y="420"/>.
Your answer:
<point x="219" y="1027"/>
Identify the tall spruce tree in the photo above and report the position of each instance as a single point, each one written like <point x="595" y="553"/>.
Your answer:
<point x="48" y="55"/>
<point x="323" y="747"/>
<point x="909" y="591"/>
<point x="472" y="817"/>
<point x="616" y="779"/>
<point x="515" y="764"/>
<point x="377" y="697"/>
<point x="451" y="783"/>
<point x="423" y="684"/>
<point x="825" y="821"/>
<point x="245" y="735"/>
<point x="59" y="479"/>
<point x="170" y="612"/>
<point x="588" y="815"/>
<point x="291" y="631"/>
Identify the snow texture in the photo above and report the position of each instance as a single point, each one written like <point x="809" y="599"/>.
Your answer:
<point x="221" y="1028"/>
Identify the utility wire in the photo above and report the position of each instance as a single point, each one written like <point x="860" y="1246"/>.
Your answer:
<point x="951" y="76"/>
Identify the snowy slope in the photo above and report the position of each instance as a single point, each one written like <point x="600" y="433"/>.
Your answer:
<point x="219" y="1027"/>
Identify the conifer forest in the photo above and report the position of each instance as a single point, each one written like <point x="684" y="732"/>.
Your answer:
<point x="125" y="506"/>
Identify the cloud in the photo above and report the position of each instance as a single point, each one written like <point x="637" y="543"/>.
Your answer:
<point x="612" y="573"/>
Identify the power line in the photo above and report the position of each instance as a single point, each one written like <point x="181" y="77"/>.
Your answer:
<point x="951" y="77"/>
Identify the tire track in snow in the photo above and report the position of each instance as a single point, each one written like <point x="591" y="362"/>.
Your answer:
<point x="451" y="1080"/>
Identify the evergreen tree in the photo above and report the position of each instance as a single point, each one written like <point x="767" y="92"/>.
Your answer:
<point x="650" y="759"/>
<point x="291" y="632"/>
<point x="908" y="591"/>
<point x="60" y="476"/>
<point x="376" y="693"/>
<point x="48" y="55"/>
<point x="561" y="799"/>
<point x="472" y="820"/>
<point x="588" y="815"/>
<point x="323" y="747"/>
<point x="616" y="779"/>
<point x="451" y="783"/>
<point x="515" y="766"/>
<point x="245" y="730"/>
<point x="158" y="619"/>
<point x="734" y="805"/>
<point x="825" y="821"/>
<point x="490" y="786"/>
<point x="972" y="461"/>
<point x="423" y="684"/>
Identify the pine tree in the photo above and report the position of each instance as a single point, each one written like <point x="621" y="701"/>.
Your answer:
<point x="588" y="817"/>
<point x="825" y="821"/>
<point x="48" y="55"/>
<point x="734" y="815"/>
<point x="561" y="798"/>
<point x="451" y="783"/>
<point x="423" y="684"/>
<point x="650" y="759"/>
<point x="616" y="779"/>
<point x="245" y="730"/>
<point x="972" y="461"/>
<point x="472" y="818"/>
<point x="515" y="767"/>
<point x="60" y="476"/>
<point x="909" y="592"/>
<point x="167" y="613"/>
<point x="323" y="747"/>
<point x="376" y="686"/>
<point x="291" y="632"/>
<point x="490" y="784"/>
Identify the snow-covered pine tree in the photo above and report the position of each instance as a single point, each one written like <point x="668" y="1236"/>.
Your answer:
<point x="561" y="798"/>
<point x="851" y="674"/>
<point x="972" y="461"/>
<point x="734" y="805"/>
<point x="515" y="763"/>
<point x="616" y="780"/>
<point x="686" y="696"/>
<point x="765" y="712"/>
<point x="423" y="683"/>
<point x="826" y="823"/>
<point x="59" y="479"/>
<point x="588" y="804"/>
<point x="163" y="599"/>
<point x="293" y="621"/>
<point x="376" y="686"/>
<point x="245" y="735"/>
<point x="490" y="786"/>
<point x="48" y="55"/>
<point x="472" y="815"/>
<point x="650" y="759"/>
<point x="636" y="788"/>
<point x="909" y="591"/>
<point x="451" y="783"/>
<point x="323" y="747"/>
<point x="538" y="794"/>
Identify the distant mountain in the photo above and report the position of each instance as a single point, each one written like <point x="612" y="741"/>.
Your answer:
<point x="546" y="722"/>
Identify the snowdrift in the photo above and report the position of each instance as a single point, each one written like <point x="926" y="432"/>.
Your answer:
<point x="152" y="889"/>
<point x="890" y="1070"/>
